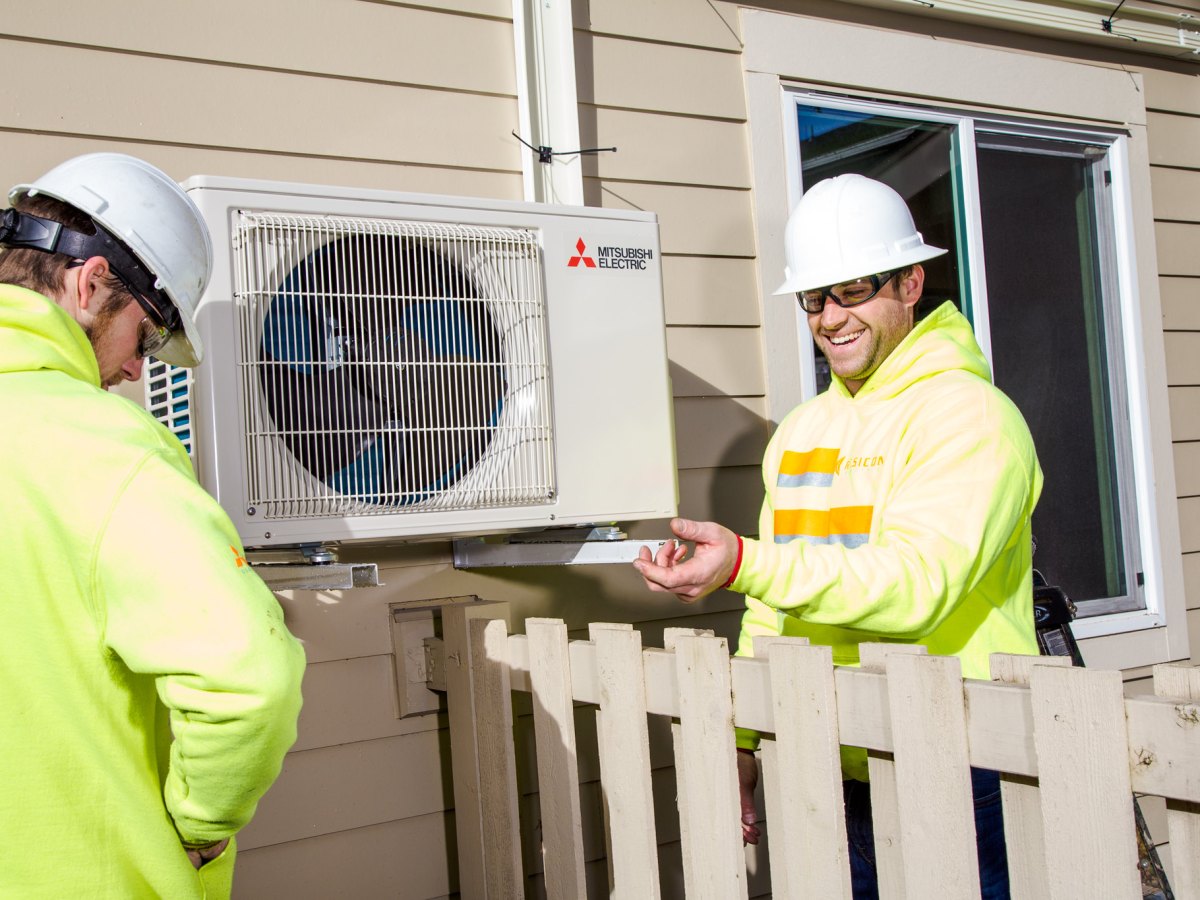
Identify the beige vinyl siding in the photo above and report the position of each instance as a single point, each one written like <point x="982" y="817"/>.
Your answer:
<point x="1187" y="468"/>
<point x="409" y="858"/>
<point x="365" y="41"/>
<point x="1185" y="404"/>
<point x="710" y="291"/>
<point x="1173" y="119"/>
<point x="681" y="23"/>
<point x="26" y="155"/>
<point x="613" y="74"/>
<point x="182" y="102"/>
<point x="358" y="92"/>
<point x="722" y="431"/>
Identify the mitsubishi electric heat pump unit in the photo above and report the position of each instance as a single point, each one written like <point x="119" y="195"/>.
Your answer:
<point x="385" y="365"/>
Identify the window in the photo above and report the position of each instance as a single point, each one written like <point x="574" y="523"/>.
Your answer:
<point x="1026" y="211"/>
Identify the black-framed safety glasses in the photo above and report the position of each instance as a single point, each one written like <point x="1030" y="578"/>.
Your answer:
<point x="847" y="294"/>
<point x="152" y="336"/>
<point x="153" y="333"/>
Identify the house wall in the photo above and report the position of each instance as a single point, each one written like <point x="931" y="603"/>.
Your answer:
<point x="423" y="97"/>
<point x="1173" y="107"/>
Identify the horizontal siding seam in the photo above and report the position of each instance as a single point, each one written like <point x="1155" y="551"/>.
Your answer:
<point x="607" y="179"/>
<point x="665" y="113"/>
<point x="709" y="326"/>
<point x="1172" y="167"/>
<point x="274" y="70"/>
<point x="677" y="254"/>
<point x="635" y="39"/>
<point x="441" y="10"/>
<point x="325" y="834"/>
<point x="371" y="740"/>
<point x="126" y="139"/>
<point x="1174" y="112"/>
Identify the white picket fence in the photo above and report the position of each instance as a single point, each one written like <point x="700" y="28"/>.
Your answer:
<point x="1071" y="749"/>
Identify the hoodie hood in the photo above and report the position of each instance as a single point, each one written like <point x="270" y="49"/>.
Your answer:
<point x="37" y="334"/>
<point x="941" y="342"/>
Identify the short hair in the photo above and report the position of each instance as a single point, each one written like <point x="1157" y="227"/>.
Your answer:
<point x="45" y="272"/>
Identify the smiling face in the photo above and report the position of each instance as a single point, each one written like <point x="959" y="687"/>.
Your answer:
<point x="857" y="340"/>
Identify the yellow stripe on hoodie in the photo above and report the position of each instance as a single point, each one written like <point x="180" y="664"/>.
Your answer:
<point x="936" y="471"/>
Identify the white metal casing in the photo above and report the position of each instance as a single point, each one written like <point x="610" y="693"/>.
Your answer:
<point x="609" y="388"/>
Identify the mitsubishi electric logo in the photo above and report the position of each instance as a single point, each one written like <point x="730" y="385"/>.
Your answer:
<point x="580" y="246"/>
<point x="611" y="257"/>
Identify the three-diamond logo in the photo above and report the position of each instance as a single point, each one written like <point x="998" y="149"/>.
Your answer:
<point x="581" y="259"/>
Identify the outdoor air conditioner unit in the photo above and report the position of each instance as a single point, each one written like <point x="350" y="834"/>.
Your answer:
<point x="387" y="365"/>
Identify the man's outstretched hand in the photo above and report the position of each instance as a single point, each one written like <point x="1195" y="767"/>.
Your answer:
<point x="709" y="568"/>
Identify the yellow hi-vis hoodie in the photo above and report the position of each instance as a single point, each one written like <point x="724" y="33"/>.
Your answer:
<point x="899" y="514"/>
<point x="129" y="615"/>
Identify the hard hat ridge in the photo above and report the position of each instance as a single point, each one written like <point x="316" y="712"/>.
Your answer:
<point x="847" y="227"/>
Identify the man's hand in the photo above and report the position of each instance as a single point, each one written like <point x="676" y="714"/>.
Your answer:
<point x="747" y="767"/>
<point x="201" y="855"/>
<point x="708" y="569"/>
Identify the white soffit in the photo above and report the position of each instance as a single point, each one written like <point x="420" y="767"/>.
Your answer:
<point x="1162" y="29"/>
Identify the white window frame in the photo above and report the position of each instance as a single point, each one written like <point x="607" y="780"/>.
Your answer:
<point x="786" y="54"/>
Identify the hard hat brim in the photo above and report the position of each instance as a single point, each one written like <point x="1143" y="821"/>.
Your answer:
<point x="824" y="278"/>
<point x="180" y="350"/>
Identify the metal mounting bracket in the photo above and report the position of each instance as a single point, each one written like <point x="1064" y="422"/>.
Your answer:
<point x="557" y="547"/>
<point x="310" y="567"/>
<point x="322" y="577"/>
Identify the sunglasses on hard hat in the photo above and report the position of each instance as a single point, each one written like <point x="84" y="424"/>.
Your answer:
<point x="846" y="294"/>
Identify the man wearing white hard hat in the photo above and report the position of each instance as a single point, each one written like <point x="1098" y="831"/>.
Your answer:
<point x="898" y="501"/>
<point x="150" y="686"/>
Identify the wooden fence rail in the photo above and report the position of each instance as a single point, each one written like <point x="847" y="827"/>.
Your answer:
<point x="1070" y="748"/>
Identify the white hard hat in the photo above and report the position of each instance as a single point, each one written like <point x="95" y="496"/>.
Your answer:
<point x="148" y="212"/>
<point x="847" y="227"/>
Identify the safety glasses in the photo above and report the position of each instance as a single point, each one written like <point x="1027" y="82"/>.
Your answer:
<point x="846" y="294"/>
<point x="153" y="332"/>
<point x="152" y="337"/>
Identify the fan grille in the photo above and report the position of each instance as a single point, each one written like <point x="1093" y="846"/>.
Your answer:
<point x="390" y="366"/>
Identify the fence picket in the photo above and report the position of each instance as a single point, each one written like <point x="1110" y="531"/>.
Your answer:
<point x="885" y="803"/>
<point x="671" y="636"/>
<point x="1183" y="817"/>
<point x="1019" y="795"/>
<point x="461" y="673"/>
<point x="503" y="877"/>
<point x="624" y="744"/>
<point x="805" y="808"/>
<point x="1083" y="770"/>
<point x="557" y="763"/>
<point x="713" y="851"/>
<point x="937" y="815"/>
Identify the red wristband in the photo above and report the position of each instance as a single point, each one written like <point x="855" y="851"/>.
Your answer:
<point x="737" y="563"/>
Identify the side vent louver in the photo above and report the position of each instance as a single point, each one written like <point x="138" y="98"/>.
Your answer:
<point x="169" y="398"/>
